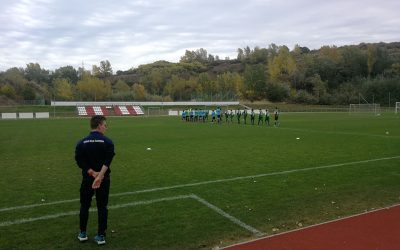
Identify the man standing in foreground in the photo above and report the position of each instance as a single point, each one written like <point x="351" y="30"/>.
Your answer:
<point x="94" y="154"/>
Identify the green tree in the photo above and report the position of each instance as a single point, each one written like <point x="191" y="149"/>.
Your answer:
<point x="33" y="72"/>
<point x="15" y="77"/>
<point x="353" y="64"/>
<point x="207" y="87"/>
<point x="276" y="91"/>
<point x="200" y="55"/>
<point x="316" y="86"/>
<point x="371" y="58"/>
<point x="254" y="81"/>
<point x="181" y="89"/>
<point x="157" y="81"/>
<point x="67" y="72"/>
<point x="240" y="55"/>
<point x="104" y="70"/>
<point x="327" y="63"/>
<point x="28" y="93"/>
<point x="228" y="85"/>
<point x="121" y="86"/>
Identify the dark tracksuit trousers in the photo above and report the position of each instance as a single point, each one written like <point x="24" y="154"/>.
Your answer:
<point x="86" y="194"/>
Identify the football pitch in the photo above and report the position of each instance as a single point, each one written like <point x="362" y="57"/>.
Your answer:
<point x="201" y="185"/>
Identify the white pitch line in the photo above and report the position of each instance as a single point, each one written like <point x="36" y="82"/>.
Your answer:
<point x="206" y="182"/>
<point x="228" y="216"/>
<point x="312" y="226"/>
<point x="340" y="133"/>
<point x="53" y="216"/>
<point x="138" y="203"/>
<point x="46" y="217"/>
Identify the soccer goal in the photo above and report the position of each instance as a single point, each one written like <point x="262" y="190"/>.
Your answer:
<point x="397" y="108"/>
<point x="365" y="108"/>
<point x="153" y="111"/>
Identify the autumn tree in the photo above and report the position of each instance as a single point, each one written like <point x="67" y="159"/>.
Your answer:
<point x="92" y="88"/>
<point x="63" y="89"/>
<point x="8" y="91"/>
<point x="139" y="92"/>
<point x="282" y="67"/>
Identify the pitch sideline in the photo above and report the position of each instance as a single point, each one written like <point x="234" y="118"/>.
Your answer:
<point x="206" y="182"/>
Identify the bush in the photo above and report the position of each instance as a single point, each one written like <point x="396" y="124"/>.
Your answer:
<point x="277" y="92"/>
<point x="303" y="96"/>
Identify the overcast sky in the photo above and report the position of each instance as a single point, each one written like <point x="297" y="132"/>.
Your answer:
<point x="56" y="33"/>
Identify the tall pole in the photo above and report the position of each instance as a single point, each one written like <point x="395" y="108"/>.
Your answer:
<point x="54" y="105"/>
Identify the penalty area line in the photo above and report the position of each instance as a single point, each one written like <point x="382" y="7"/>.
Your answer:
<point x="138" y="203"/>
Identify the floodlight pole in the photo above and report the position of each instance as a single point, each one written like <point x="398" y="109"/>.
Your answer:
<point x="54" y="105"/>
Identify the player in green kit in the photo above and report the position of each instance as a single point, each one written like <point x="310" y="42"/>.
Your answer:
<point x="238" y="116"/>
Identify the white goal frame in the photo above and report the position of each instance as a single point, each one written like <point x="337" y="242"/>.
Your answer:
<point x="397" y="107"/>
<point x="153" y="111"/>
<point x="374" y="108"/>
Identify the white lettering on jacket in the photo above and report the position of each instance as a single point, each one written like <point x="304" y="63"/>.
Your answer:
<point x="91" y="141"/>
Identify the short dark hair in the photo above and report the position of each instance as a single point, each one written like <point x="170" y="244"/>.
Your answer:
<point x="96" y="120"/>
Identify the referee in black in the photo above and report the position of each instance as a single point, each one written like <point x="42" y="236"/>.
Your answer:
<point x="94" y="154"/>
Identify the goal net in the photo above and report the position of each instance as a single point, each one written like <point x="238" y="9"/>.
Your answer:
<point x="365" y="108"/>
<point x="397" y="108"/>
<point x="154" y="111"/>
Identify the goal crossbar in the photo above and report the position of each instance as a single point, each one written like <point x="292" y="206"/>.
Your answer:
<point x="365" y="108"/>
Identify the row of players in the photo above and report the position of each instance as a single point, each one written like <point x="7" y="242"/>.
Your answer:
<point x="196" y="115"/>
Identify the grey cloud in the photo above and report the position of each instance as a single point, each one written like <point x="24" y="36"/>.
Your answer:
<point x="56" y="33"/>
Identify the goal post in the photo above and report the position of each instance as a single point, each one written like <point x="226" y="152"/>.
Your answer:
<point x="365" y="108"/>
<point x="397" y="108"/>
<point x="153" y="111"/>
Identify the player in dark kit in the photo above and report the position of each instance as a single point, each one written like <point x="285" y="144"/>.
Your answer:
<point x="252" y="116"/>
<point x="245" y="116"/>
<point x="276" y="117"/>
<point x="267" y="117"/>
<point x="94" y="154"/>
<point x="260" y="117"/>
<point x="238" y="116"/>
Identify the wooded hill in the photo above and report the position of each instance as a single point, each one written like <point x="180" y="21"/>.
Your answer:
<point x="329" y="75"/>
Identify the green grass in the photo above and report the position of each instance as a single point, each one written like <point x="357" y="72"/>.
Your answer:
<point x="37" y="162"/>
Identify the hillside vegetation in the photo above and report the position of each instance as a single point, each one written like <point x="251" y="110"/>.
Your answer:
<point x="329" y="75"/>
